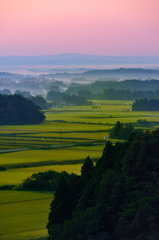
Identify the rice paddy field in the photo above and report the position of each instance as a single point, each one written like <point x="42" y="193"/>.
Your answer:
<point x="61" y="143"/>
<point x="23" y="215"/>
<point x="49" y="156"/>
<point x="16" y="176"/>
<point x="73" y="125"/>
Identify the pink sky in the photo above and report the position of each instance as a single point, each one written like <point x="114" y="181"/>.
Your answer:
<point x="97" y="27"/>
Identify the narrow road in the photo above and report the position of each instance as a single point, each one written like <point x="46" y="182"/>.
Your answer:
<point x="25" y="149"/>
<point x="14" y="150"/>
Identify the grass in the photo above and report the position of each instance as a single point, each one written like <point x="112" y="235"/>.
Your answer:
<point x="55" y="155"/>
<point x="24" y="215"/>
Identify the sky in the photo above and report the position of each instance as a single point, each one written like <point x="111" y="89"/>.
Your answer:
<point x="96" y="27"/>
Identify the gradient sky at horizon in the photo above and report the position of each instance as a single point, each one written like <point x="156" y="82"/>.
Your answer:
<point x="96" y="27"/>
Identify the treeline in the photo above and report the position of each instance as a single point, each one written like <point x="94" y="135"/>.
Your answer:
<point x="118" y="199"/>
<point x="15" y="109"/>
<point x="38" y="100"/>
<point x="146" y="105"/>
<point x="70" y="99"/>
<point x="119" y="131"/>
<point x="99" y="86"/>
<point x="77" y="100"/>
<point x="113" y="90"/>
<point x="53" y="95"/>
<point x="42" y="181"/>
<point x="113" y="94"/>
<point x="5" y="91"/>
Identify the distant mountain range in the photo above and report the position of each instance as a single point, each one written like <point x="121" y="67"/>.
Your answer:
<point x="71" y="59"/>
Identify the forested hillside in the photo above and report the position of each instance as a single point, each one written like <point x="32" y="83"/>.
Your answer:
<point x="146" y="105"/>
<point x="114" y="90"/>
<point x="15" y="109"/>
<point x="99" y="86"/>
<point x="118" y="199"/>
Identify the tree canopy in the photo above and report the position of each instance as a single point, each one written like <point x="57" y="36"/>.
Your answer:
<point x="115" y="90"/>
<point x="120" y="131"/>
<point x="77" y="100"/>
<point x="146" y="105"/>
<point x="118" y="201"/>
<point x="15" y="109"/>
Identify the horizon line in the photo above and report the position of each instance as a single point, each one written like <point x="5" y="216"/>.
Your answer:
<point x="80" y="54"/>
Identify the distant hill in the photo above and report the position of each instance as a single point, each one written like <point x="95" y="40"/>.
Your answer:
<point x="112" y="89"/>
<point x="121" y="73"/>
<point x="76" y="60"/>
<point x="103" y="75"/>
<point x="16" y="110"/>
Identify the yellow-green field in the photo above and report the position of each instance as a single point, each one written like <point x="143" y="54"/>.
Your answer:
<point x="24" y="215"/>
<point x="101" y="104"/>
<point x="16" y="176"/>
<point x="94" y="127"/>
<point x="50" y="127"/>
<point x="54" y="155"/>
<point x="49" y="134"/>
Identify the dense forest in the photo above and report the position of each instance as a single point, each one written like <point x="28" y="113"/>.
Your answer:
<point x="15" y="109"/>
<point x="77" y="100"/>
<point x="119" y="131"/>
<point x="117" y="199"/>
<point x="74" y="99"/>
<point x="39" y="101"/>
<point x="99" y="86"/>
<point x="113" y="94"/>
<point x="114" y="90"/>
<point x="102" y="89"/>
<point x="146" y="105"/>
<point x="54" y="95"/>
<point x="42" y="181"/>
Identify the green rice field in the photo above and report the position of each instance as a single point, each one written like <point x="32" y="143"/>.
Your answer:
<point x="23" y="215"/>
<point x="16" y="176"/>
<point x="50" y="134"/>
<point x="53" y="155"/>
<point x="61" y="143"/>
